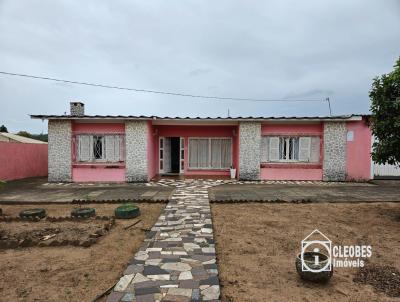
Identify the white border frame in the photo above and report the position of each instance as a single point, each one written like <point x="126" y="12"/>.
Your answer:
<point x="161" y="160"/>
<point x="181" y="159"/>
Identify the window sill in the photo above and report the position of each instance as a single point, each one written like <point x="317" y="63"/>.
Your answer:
<point x="95" y="165"/>
<point x="211" y="169"/>
<point x="291" y="165"/>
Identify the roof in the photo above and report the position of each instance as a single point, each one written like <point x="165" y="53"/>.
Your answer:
<point x="187" y="118"/>
<point x="21" y="139"/>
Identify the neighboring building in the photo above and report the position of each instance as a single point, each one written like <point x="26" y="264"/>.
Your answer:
<point x="14" y="138"/>
<point x="137" y="148"/>
<point x="22" y="157"/>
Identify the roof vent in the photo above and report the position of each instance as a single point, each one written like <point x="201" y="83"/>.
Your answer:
<point x="77" y="109"/>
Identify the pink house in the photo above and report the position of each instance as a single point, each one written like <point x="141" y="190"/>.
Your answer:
<point x="137" y="148"/>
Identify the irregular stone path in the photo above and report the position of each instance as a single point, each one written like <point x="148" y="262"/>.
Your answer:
<point x="177" y="260"/>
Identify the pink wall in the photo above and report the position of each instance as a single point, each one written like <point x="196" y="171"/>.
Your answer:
<point x="98" y="128"/>
<point x="198" y="131"/>
<point x="292" y="129"/>
<point x="291" y="174"/>
<point x="20" y="160"/>
<point x="293" y="171"/>
<point x="98" y="172"/>
<point x="152" y="153"/>
<point x="358" y="151"/>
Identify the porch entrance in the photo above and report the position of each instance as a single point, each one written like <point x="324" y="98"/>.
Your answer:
<point x="171" y="155"/>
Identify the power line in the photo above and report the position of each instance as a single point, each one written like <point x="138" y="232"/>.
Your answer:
<point x="155" y="91"/>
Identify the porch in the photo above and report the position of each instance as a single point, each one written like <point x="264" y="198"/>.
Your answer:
<point x="193" y="152"/>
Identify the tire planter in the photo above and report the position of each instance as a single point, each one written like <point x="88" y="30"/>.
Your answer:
<point x="33" y="213"/>
<point x="318" y="277"/>
<point x="127" y="211"/>
<point x="83" y="212"/>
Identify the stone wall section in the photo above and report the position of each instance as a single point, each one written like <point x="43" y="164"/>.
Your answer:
<point x="136" y="151"/>
<point x="249" y="150"/>
<point x="334" y="165"/>
<point x="59" y="151"/>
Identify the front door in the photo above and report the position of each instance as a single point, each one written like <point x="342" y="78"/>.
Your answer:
<point x="175" y="149"/>
<point x="171" y="155"/>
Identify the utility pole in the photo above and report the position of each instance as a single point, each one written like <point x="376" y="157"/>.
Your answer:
<point x="329" y="104"/>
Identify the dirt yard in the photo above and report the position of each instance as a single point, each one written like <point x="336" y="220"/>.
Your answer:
<point x="69" y="273"/>
<point x="257" y="245"/>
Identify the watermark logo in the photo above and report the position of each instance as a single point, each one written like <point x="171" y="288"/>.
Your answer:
<point x="337" y="255"/>
<point x="323" y="246"/>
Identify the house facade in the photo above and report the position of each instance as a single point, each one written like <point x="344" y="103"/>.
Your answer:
<point x="85" y="148"/>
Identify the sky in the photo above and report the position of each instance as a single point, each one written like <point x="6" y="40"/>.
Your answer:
<point x="288" y="50"/>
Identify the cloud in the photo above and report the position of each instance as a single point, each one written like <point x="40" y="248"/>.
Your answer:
<point x="313" y="93"/>
<point x="199" y="71"/>
<point x="261" y="49"/>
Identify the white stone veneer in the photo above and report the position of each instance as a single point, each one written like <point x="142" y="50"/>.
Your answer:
<point x="59" y="151"/>
<point x="334" y="166"/>
<point x="249" y="150"/>
<point x="136" y="133"/>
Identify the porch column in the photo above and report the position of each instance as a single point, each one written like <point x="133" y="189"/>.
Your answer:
<point x="334" y="165"/>
<point x="249" y="150"/>
<point x="59" y="151"/>
<point x="136" y="134"/>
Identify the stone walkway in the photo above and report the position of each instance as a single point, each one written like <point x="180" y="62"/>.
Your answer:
<point x="177" y="260"/>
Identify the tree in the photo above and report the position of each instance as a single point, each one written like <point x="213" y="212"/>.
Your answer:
<point x="25" y="134"/>
<point x="41" y="137"/>
<point x="3" y="129"/>
<point x="385" y="119"/>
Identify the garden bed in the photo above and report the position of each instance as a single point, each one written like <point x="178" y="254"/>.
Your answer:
<point x="257" y="244"/>
<point x="69" y="273"/>
<point x="53" y="232"/>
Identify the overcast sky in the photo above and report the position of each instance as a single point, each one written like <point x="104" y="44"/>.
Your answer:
<point x="249" y="49"/>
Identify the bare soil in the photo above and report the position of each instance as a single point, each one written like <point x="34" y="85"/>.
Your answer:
<point x="383" y="278"/>
<point x="83" y="232"/>
<point x="257" y="245"/>
<point x="67" y="273"/>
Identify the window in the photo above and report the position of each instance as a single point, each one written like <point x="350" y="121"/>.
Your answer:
<point x="290" y="149"/>
<point x="99" y="148"/>
<point x="98" y="144"/>
<point x="210" y="153"/>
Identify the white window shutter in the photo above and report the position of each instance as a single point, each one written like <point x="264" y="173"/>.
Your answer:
<point x="121" y="148"/>
<point x="84" y="153"/>
<point x="264" y="148"/>
<point x="103" y="147"/>
<point x="273" y="148"/>
<point x="304" y="148"/>
<point x="315" y="149"/>
<point x="91" y="151"/>
<point x="110" y="148"/>
<point x="117" y="148"/>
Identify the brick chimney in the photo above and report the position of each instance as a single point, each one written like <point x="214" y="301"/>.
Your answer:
<point x="77" y="108"/>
